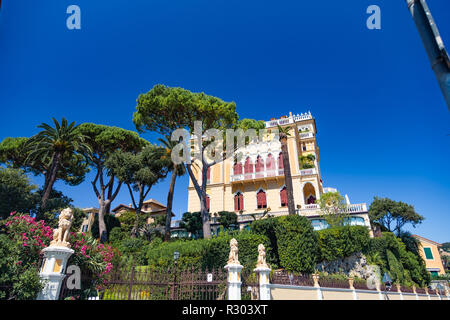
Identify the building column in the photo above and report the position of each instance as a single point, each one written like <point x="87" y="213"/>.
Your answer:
<point x="53" y="271"/>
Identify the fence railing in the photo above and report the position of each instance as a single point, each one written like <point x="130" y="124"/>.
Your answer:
<point x="145" y="283"/>
<point x="285" y="277"/>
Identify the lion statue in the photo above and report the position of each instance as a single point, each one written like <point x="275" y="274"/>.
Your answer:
<point x="233" y="257"/>
<point x="261" y="263"/>
<point x="61" y="235"/>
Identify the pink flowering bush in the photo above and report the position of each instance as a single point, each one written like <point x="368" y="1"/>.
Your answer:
<point x="96" y="259"/>
<point x="23" y="238"/>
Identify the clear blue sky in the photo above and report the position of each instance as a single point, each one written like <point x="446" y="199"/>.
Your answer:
<point x="383" y="125"/>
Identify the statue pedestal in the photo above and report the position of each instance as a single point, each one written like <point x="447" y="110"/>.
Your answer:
<point x="53" y="271"/>
<point x="234" y="281"/>
<point x="264" y="282"/>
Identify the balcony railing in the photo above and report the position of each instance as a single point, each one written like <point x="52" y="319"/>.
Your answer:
<point x="313" y="206"/>
<point x="307" y="210"/>
<point x="308" y="172"/>
<point x="284" y="121"/>
<point x="306" y="135"/>
<point x="256" y="175"/>
<point x="359" y="207"/>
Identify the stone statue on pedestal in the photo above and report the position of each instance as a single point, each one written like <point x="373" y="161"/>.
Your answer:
<point x="261" y="263"/>
<point x="61" y="235"/>
<point x="233" y="257"/>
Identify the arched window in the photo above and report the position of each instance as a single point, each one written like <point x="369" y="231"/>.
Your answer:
<point x="259" y="167"/>
<point x="238" y="202"/>
<point x="248" y="168"/>
<point x="237" y="168"/>
<point x="261" y="199"/>
<point x="283" y="197"/>
<point x="270" y="165"/>
<point x="309" y="193"/>
<point x="280" y="164"/>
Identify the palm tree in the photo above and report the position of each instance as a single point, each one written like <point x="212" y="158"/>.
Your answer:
<point x="283" y="134"/>
<point x="177" y="171"/>
<point x="55" y="144"/>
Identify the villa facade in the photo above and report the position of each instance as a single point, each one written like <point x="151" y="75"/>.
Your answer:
<point x="256" y="182"/>
<point x="429" y="251"/>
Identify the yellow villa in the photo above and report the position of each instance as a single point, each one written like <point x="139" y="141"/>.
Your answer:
<point x="429" y="251"/>
<point x="256" y="183"/>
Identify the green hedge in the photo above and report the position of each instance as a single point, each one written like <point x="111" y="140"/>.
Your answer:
<point x="297" y="243"/>
<point x="402" y="265"/>
<point x="341" y="242"/>
<point x="207" y="254"/>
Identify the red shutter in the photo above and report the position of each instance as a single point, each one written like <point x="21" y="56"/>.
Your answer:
<point x="237" y="168"/>
<point x="208" y="173"/>
<point x="258" y="199"/>
<point x="248" y="166"/>
<point x="280" y="161"/>
<point x="236" y="202"/>
<point x="261" y="199"/>
<point x="283" y="196"/>
<point x="241" y="201"/>
<point x="207" y="203"/>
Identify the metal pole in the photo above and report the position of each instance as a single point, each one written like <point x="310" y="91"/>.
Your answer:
<point x="434" y="46"/>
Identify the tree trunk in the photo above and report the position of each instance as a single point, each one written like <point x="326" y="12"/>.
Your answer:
<point x="134" y="231"/>
<point x="287" y="175"/>
<point x="201" y="192"/>
<point x="51" y="180"/>
<point x="169" y="203"/>
<point x="101" y="221"/>
<point x="204" y="209"/>
<point x="103" y="203"/>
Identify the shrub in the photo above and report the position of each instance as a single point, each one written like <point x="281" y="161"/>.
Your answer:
<point x="22" y="240"/>
<point x="19" y="279"/>
<point x="266" y="227"/>
<point x="403" y="266"/>
<point x="297" y="243"/>
<point x="341" y="242"/>
<point x="207" y="253"/>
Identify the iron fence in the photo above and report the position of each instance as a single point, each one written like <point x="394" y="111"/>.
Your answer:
<point x="146" y="283"/>
<point x="285" y="277"/>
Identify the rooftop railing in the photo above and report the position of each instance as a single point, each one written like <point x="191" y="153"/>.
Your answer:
<point x="288" y="120"/>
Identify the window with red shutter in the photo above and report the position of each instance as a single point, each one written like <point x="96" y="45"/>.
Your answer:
<point x="207" y="203"/>
<point x="270" y="166"/>
<point x="280" y="164"/>
<point x="261" y="199"/>
<point x="259" y="167"/>
<point x="283" y="197"/>
<point x="238" y="202"/>
<point x="237" y="168"/>
<point x="248" y="169"/>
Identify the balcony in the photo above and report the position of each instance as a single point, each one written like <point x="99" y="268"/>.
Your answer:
<point x="257" y="175"/>
<point x="308" y="172"/>
<point x="306" y="135"/>
<point x="289" y="120"/>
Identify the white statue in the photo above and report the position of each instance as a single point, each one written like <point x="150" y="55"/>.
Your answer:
<point x="61" y="235"/>
<point x="261" y="263"/>
<point x="233" y="257"/>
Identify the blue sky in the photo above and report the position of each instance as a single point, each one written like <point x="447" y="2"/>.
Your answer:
<point x="383" y="125"/>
